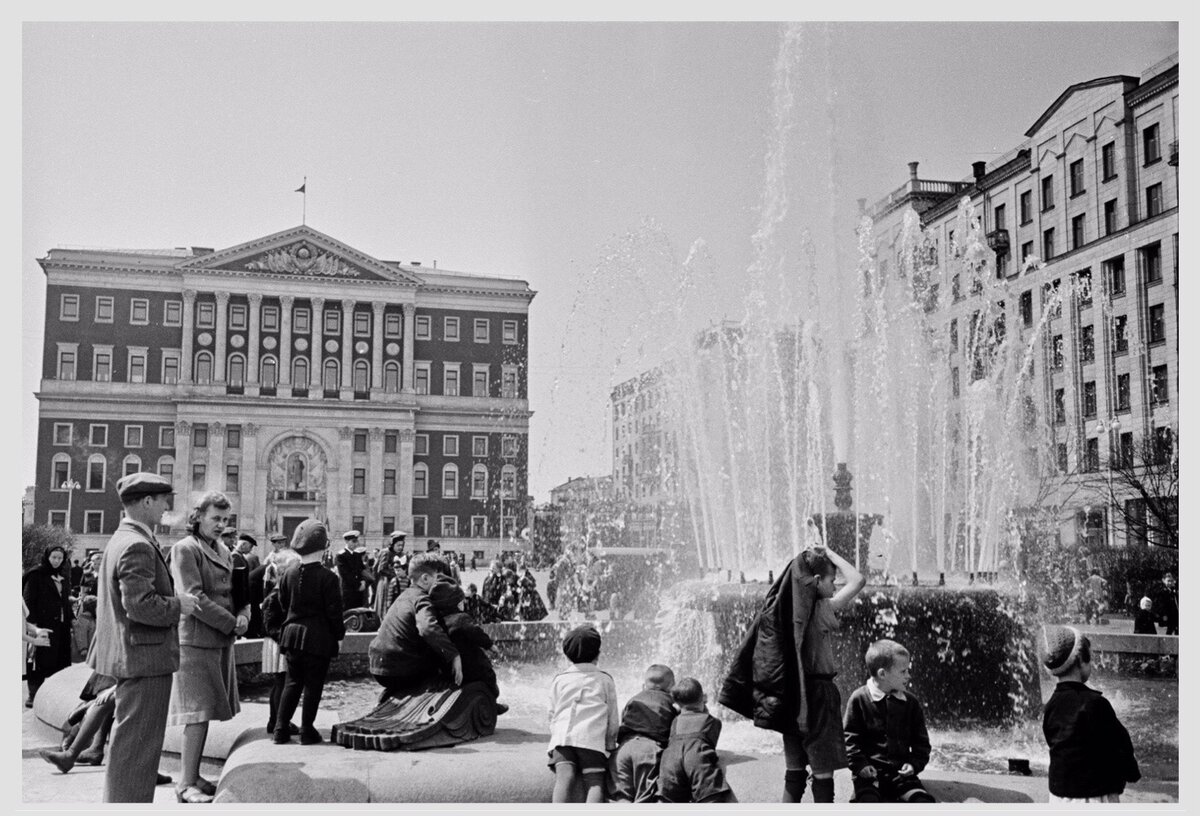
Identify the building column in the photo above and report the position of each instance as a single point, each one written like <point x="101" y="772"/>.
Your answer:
<point x="317" y="357"/>
<point x="285" y="340"/>
<point x="347" y="349"/>
<point x="410" y="311"/>
<point x="253" y="507"/>
<point x="216" y="458"/>
<point x="377" y="346"/>
<point x="374" y="520"/>
<point x="222" y="327"/>
<point x="183" y="465"/>
<point x="252" y="345"/>
<point x="339" y="490"/>
<point x="404" y="480"/>
<point x="186" y="351"/>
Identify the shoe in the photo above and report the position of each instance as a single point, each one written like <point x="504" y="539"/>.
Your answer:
<point x="90" y="758"/>
<point x="192" y="795"/>
<point x="291" y="727"/>
<point x="501" y="708"/>
<point x="281" y="738"/>
<point x="59" y="759"/>
<point x="163" y="779"/>
<point x="206" y="787"/>
<point x="310" y="736"/>
<point x="29" y="703"/>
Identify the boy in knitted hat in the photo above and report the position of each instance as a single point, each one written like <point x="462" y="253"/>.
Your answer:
<point x="583" y="720"/>
<point x="645" y="729"/>
<point x="689" y="770"/>
<point x="448" y="601"/>
<point x="1091" y="755"/>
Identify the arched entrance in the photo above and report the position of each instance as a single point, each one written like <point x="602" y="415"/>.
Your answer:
<point x="296" y="468"/>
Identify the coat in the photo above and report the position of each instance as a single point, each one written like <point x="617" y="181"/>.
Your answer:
<point x="1090" y="751"/>
<point x="766" y="681"/>
<point x="411" y="638"/>
<point x="207" y="573"/>
<point x="137" y="612"/>
<point x="312" y="601"/>
<point x="51" y="609"/>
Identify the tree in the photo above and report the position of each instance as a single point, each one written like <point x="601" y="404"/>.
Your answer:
<point x="1143" y="489"/>
<point x="36" y="538"/>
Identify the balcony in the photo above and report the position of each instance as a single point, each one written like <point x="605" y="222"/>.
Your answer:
<point x="1173" y="154"/>
<point x="295" y="495"/>
<point x="997" y="241"/>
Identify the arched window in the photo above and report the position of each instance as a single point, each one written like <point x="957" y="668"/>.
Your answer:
<point x="97" y="473"/>
<point x="479" y="482"/>
<point x="330" y="382"/>
<point x="391" y="377"/>
<point x="362" y="375"/>
<point x="166" y="467"/>
<point x="420" y="480"/>
<point x="60" y="471"/>
<point x="269" y="372"/>
<point x="300" y="372"/>
<point x="508" y="481"/>
<point x="131" y="464"/>
<point x="203" y="370"/>
<point x="450" y="481"/>
<point x="235" y="370"/>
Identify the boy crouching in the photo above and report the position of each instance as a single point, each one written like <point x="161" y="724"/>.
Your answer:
<point x="645" y="729"/>
<point x="887" y="744"/>
<point x="689" y="770"/>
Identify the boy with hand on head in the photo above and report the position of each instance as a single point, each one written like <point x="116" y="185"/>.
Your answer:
<point x="583" y="720"/>
<point x="1091" y="755"/>
<point x="645" y="729"/>
<point x="689" y="770"/>
<point x="887" y="743"/>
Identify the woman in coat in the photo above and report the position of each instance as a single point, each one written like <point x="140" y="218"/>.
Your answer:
<point x="47" y="592"/>
<point x="205" y="686"/>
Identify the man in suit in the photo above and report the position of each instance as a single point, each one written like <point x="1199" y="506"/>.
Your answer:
<point x="137" y="638"/>
<point x="351" y="568"/>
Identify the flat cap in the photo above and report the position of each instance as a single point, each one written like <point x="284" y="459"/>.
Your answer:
<point x="228" y="531"/>
<point x="136" y="485"/>
<point x="248" y="537"/>
<point x="277" y="536"/>
<point x="351" y="534"/>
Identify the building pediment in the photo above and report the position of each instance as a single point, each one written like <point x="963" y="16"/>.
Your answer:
<point x="301" y="252"/>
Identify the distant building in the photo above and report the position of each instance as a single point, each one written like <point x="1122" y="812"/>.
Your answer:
<point x="27" y="514"/>
<point x="582" y="490"/>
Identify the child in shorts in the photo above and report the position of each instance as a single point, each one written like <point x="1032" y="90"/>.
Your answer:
<point x="689" y="770"/>
<point x="583" y="720"/>
<point x="645" y="729"/>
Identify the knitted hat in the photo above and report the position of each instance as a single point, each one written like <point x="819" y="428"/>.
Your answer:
<point x="1062" y="645"/>
<point x="445" y="596"/>
<point x="311" y="536"/>
<point x="1146" y="603"/>
<point x="582" y="644"/>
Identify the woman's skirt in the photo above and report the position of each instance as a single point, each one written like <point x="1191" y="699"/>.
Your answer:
<point x="273" y="661"/>
<point x="205" y="686"/>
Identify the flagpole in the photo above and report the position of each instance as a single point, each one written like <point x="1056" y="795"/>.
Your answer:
<point x="303" y="190"/>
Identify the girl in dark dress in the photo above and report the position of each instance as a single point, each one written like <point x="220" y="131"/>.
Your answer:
<point x="47" y="592"/>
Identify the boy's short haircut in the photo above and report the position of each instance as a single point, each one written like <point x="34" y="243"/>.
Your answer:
<point x="882" y="654"/>
<point x="421" y="564"/>
<point x="687" y="691"/>
<point x="660" y="676"/>
<point x="818" y="564"/>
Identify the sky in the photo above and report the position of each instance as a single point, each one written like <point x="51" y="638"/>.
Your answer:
<point x="525" y="150"/>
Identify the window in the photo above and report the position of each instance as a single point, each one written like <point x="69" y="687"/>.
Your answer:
<point x="391" y="377"/>
<point x="362" y="324"/>
<point x="420" y="480"/>
<point x="1026" y="251"/>
<point x="1108" y="161"/>
<point x="483" y="330"/>
<point x="1151" y="258"/>
<point x="998" y="217"/>
<point x="478" y="530"/>
<point x="421" y="444"/>
<point x="1125" y="450"/>
<point x="232" y="479"/>
<point x="1056" y="353"/>
<point x="1114" y="270"/>
<point x="1158" y="326"/>
<point x="1151" y="150"/>
<point x="420" y="525"/>
<point x="166" y="467"/>
<point x="479" y="446"/>
<point x="133" y="436"/>
<point x="98" y="435"/>
<point x="389" y="441"/>
<point x="450" y="379"/>
<point x="104" y="309"/>
<point x="1048" y="193"/>
<point x="204" y="365"/>
<point x="1083" y="287"/>
<point x="233" y="436"/>
<point x="131" y="464"/>
<point x="332" y="321"/>
<point x="421" y="328"/>
<point x="1123" y="392"/>
<point x="362" y="376"/>
<point x="1110" y="216"/>
<point x="300" y="373"/>
<point x="391" y="325"/>
<point x="1087" y="344"/>
<point x="206" y="315"/>
<point x="199" y="476"/>
<point x="237" y="316"/>
<point x="200" y="436"/>
<point x="449" y="526"/>
<point x="450" y="481"/>
<point x="1159" y="390"/>
<point x="97" y="473"/>
<point x="1001" y="264"/>
<point x="389" y="523"/>
<point x="93" y="521"/>
<point x="450" y="329"/>
<point x="68" y="308"/>
<point x="1091" y="455"/>
<point x="1089" y="399"/>
<point x="478" y="482"/>
<point x="57" y="518"/>
<point x="389" y="482"/>
<point x="1025" y="305"/>
<point x="300" y="318"/>
<point x="66" y="360"/>
<point x="357" y="522"/>
<point x="139" y="311"/>
<point x="508" y="481"/>
<point x="269" y="318"/>
<point x="1048" y="244"/>
<point x="1025" y="203"/>
<point x="360" y="440"/>
<point x="1060" y="406"/>
<point x="136" y="365"/>
<point x="1121" y="333"/>
<point x="170" y="366"/>
<point x="60" y="470"/>
<point x="62" y="433"/>
<point x="1164" y="444"/>
<point x="508" y="446"/>
<point x="1154" y="204"/>
<point x="236" y="374"/>
<point x="1060" y="451"/>
<point x="269" y="372"/>
<point x="1077" y="231"/>
<point x="359" y="485"/>
<point x="450" y="445"/>
<point x="102" y="363"/>
<point x="508" y="382"/>
<point x="166" y="436"/>
<point x="330" y="376"/>
<point x="509" y="332"/>
<point x="421" y="377"/>
<point x="1076" y="171"/>
<point x="173" y="313"/>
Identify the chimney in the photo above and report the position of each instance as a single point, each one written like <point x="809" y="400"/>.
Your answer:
<point x="978" y="168"/>
<point x="912" y="170"/>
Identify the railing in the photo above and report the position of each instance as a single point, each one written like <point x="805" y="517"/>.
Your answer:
<point x="997" y="240"/>
<point x="295" y="495"/>
<point x="913" y="186"/>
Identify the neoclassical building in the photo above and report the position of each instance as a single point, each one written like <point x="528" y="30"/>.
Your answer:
<point x="297" y="374"/>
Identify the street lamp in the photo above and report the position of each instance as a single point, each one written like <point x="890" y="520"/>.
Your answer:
<point x="70" y="485"/>
<point x="1111" y="428"/>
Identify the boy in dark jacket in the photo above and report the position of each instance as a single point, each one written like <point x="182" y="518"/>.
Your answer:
<point x="448" y="600"/>
<point x="1091" y="755"/>
<point x="689" y="770"/>
<point x="887" y="743"/>
<point x="645" y="729"/>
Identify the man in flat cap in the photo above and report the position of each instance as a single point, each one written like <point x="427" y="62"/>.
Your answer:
<point x="351" y="565"/>
<point x="137" y="637"/>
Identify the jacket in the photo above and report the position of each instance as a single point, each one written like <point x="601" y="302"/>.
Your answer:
<point x="207" y="573"/>
<point x="649" y="713"/>
<point x="410" y="637"/>
<point x="583" y="709"/>
<point x="137" y="612"/>
<point x="311" y="598"/>
<point x="1090" y="751"/>
<point x="886" y="732"/>
<point x="766" y="681"/>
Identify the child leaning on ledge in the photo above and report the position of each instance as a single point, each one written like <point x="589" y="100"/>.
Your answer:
<point x="1091" y="755"/>
<point x="645" y="729"/>
<point x="887" y="743"/>
<point x="689" y="770"/>
<point x="583" y="720"/>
